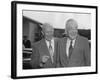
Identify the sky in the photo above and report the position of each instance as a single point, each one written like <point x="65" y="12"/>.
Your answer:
<point x="58" y="19"/>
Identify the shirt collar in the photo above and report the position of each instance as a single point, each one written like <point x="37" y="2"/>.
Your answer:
<point x="73" y="41"/>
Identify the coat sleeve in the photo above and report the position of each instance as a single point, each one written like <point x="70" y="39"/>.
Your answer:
<point x="87" y="53"/>
<point x="35" y="62"/>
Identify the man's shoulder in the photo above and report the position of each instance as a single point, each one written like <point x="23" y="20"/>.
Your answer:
<point x="63" y="39"/>
<point x="38" y="42"/>
<point x="82" y="38"/>
<point x="58" y="39"/>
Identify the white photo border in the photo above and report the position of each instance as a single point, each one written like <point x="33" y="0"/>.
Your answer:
<point x="17" y="70"/>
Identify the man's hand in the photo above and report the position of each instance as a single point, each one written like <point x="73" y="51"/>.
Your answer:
<point x="44" y="59"/>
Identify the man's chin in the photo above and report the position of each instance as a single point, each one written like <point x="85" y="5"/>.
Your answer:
<point x="48" y="39"/>
<point x="72" y="38"/>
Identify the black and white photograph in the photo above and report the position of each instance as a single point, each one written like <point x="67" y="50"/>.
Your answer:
<point x="53" y="39"/>
<point x="40" y="27"/>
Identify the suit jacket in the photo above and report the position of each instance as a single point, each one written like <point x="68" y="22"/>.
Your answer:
<point x="39" y="50"/>
<point x="80" y="55"/>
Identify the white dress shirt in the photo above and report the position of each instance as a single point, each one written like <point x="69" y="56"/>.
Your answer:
<point x="51" y="51"/>
<point x="68" y="45"/>
<point x="52" y="44"/>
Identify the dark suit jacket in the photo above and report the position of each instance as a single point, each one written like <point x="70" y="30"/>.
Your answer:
<point x="80" y="55"/>
<point x="39" y="50"/>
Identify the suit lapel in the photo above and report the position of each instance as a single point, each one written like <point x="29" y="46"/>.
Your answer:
<point x="64" y="46"/>
<point x="75" y="46"/>
<point x="43" y="48"/>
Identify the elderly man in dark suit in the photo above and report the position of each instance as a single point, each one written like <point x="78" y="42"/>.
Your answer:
<point x="73" y="49"/>
<point x="45" y="51"/>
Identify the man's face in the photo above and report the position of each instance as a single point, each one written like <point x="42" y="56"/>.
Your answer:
<point x="48" y="33"/>
<point x="72" y="32"/>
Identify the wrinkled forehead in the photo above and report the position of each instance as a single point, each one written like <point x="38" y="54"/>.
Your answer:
<point x="47" y="27"/>
<point x="71" y="24"/>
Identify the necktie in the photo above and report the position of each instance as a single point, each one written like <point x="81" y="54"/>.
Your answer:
<point x="51" y="51"/>
<point x="70" y="49"/>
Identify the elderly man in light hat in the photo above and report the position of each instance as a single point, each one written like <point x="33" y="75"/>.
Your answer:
<point x="45" y="51"/>
<point x="73" y="49"/>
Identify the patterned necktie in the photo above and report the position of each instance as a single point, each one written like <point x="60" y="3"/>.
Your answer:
<point x="70" y="48"/>
<point x="51" y="51"/>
